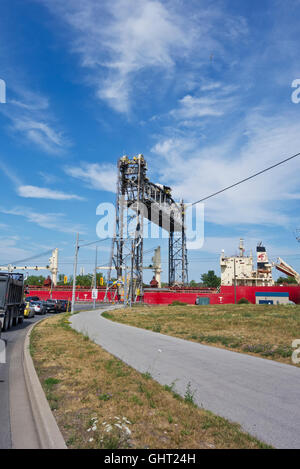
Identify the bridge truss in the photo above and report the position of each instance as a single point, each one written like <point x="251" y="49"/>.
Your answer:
<point x="138" y="199"/>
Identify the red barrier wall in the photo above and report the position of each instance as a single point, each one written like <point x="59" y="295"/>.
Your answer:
<point x="225" y="296"/>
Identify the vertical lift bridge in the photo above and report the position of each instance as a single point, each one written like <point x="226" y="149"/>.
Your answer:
<point x="139" y="199"/>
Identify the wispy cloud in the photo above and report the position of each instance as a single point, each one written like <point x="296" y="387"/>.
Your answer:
<point x="127" y="47"/>
<point x="213" y="100"/>
<point x="36" y="192"/>
<point x="40" y="133"/>
<point x="10" y="173"/>
<point x="45" y="193"/>
<point x="196" y="170"/>
<point x="50" y="221"/>
<point x="31" y="119"/>
<point x="95" y="176"/>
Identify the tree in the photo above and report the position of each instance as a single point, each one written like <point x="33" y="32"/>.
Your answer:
<point x="193" y="283"/>
<point x="210" y="279"/>
<point x="36" y="280"/>
<point x="84" y="280"/>
<point x="289" y="280"/>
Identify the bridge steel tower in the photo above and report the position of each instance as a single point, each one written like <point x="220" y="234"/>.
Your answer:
<point x="139" y="199"/>
<point x="178" y="262"/>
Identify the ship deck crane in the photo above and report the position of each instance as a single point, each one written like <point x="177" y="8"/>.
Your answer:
<point x="285" y="268"/>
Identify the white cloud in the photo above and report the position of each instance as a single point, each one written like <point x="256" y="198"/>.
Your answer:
<point x="126" y="46"/>
<point x="31" y="118"/>
<point x="40" y="133"/>
<point x="11" y="174"/>
<point x="196" y="170"/>
<point x="211" y="86"/>
<point x="29" y="191"/>
<point x="45" y="193"/>
<point x="123" y="38"/>
<point x="214" y="100"/>
<point x="51" y="221"/>
<point x="191" y="107"/>
<point x="97" y="176"/>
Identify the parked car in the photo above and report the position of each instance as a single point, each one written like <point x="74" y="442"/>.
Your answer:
<point x="38" y="306"/>
<point x="53" y="306"/>
<point x="64" y="305"/>
<point x="32" y="298"/>
<point x="29" y="311"/>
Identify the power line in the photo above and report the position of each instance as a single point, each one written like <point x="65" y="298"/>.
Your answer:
<point x="245" y="179"/>
<point x="30" y="258"/>
<point x="94" y="242"/>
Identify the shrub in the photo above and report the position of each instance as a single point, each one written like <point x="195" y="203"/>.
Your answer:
<point x="243" y="301"/>
<point x="177" y="303"/>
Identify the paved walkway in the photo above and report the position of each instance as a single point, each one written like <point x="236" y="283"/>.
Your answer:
<point x="262" y="395"/>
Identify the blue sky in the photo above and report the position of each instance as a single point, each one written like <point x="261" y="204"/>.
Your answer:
<point x="201" y="88"/>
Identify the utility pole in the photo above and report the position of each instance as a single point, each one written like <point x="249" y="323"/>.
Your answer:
<point x="75" y="273"/>
<point x="234" y="274"/>
<point x="125" y="288"/>
<point x="95" y="277"/>
<point x="51" y="289"/>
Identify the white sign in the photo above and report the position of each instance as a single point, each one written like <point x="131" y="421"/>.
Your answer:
<point x="94" y="294"/>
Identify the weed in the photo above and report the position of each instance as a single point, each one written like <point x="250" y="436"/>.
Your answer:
<point x="110" y="442"/>
<point x="116" y="368"/>
<point x="156" y="328"/>
<point x="71" y="440"/>
<point x="136" y="400"/>
<point x="105" y="397"/>
<point x="189" y="395"/>
<point x="50" y="383"/>
<point x="107" y="315"/>
<point x="169" y="388"/>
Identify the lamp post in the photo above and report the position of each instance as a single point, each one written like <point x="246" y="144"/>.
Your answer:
<point x="234" y="274"/>
<point x="75" y="273"/>
<point x="95" y="278"/>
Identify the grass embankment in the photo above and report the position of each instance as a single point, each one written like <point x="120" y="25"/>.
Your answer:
<point x="100" y="402"/>
<point x="265" y="331"/>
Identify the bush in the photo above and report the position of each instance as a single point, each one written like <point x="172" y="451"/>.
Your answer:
<point x="243" y="301"/>
<point x="177" y="303"/>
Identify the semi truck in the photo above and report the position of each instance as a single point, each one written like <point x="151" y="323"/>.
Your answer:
<point x="11" y="300"/>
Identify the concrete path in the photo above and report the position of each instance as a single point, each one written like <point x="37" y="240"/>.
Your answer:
<point x="262" y="395"/>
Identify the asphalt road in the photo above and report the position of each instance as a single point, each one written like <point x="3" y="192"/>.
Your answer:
<point x="17" y="428"/>
<point x="262" y="395"/>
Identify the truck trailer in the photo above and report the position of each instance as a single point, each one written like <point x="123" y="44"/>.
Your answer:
<point x="11" y="300"/>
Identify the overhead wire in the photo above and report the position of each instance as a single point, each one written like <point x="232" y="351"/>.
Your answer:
<point x="245" y="179"/>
